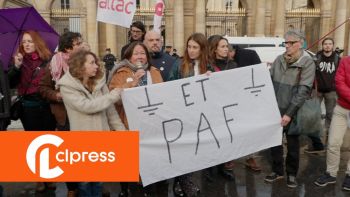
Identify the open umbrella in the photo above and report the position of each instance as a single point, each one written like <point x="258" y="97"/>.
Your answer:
<point x="13" y="22"/>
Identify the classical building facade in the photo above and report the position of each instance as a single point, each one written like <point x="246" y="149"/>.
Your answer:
<point x="183" y="17"/>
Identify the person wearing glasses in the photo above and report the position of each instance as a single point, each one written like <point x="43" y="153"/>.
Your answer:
<point x="136" y="33"/>
<point x="292" y="74"/>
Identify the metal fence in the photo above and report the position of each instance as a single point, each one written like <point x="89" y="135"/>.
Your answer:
<point x="307" y="20"/>
<point x="65" y="20"/>
<point x="231" y="22"/>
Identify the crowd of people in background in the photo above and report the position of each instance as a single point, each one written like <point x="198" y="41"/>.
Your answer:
<point x="65" y="90"/>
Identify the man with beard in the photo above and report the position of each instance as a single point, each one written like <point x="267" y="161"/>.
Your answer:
<point x="136" y="33"/>
<point x="326" y="66"/>
<point x="159" y="59"/>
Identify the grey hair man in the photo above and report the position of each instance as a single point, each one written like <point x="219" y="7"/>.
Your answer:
<point x="159" y="59"/>
<point x="292" y="75"/>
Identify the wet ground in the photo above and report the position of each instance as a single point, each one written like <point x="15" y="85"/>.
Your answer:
<point x="247" y="183"/>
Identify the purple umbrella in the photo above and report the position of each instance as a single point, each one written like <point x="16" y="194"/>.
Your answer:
<point x="13" y="22"/>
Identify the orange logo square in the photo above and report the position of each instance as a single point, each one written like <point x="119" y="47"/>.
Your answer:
<point x="69" y="156"/>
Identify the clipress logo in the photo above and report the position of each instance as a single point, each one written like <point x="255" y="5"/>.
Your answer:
<point x="66" y="156"/>
<point x="44" y="170"/>
<point x="79" y="156"/>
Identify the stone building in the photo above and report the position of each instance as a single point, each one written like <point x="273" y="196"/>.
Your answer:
<point x="183" y="17"/>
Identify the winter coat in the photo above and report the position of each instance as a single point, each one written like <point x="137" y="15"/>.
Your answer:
<point x="48" y="91"/>
<point x="5" y="97"/>
<point x="28" y="76"/>
<point x="164" y="63"/>
<point x="342" y="82"/>
<point x="89" y="110"/>
<point x="109" y="60"/>
<point x="246" y="57"/>
<point x="120" y="79"/>
<point x="224" y="64"/>
<point x="292" y="83"/>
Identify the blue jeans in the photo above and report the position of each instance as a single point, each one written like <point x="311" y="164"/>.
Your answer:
<point x="90" y="189"/>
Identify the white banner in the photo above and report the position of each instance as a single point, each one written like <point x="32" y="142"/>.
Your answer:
<point x="194" y="123"/>
<point x="116" y="12"/>
<point x="158" y="14"/>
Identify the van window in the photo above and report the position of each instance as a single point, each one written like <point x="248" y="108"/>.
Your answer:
<point x="261" y="45"/>
<point x="245" y="42"/>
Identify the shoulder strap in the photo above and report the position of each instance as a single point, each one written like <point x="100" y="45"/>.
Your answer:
<point x="336" y="60"/>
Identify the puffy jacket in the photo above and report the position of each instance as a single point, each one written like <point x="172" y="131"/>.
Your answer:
<point x="292" y="83"/>
<point x="342" y="82"/>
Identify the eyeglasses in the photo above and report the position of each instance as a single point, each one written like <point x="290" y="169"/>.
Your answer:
<point x="289" y="43"/>
<point x="136" y="31"/>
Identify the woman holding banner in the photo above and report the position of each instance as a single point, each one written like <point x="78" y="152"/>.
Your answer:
<point x="194" y="62"/>
<point x="135" y="70"/>
<point x="86" y="97"/>
<point x="218" y="56"/>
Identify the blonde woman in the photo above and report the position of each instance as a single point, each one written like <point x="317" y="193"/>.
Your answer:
<point x="88" y="102"/>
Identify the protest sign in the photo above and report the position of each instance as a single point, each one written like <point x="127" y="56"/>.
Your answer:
<point x="158" y="15"/>
<point x="194" y="123"/>
<point x="119" y="12"/>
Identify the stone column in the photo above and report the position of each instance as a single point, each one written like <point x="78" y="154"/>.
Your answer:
<point x="169" y="26"/>
<point x="260" y="18"/>
<point x="200" y="16"/>
<point x="250" y="23"/>
<point x="340" y="17"/>
<point x="111" y="38"/>
<point x="42" y="8"/>
<point x="280" y="18"/>
<point x="92" y="34"/>
<point x="179" y="33"/>
<point x="2" y="3"/>
<point x="268" y="31"/>
<point x="121" y="39"/>
<point x="326" y="17"/>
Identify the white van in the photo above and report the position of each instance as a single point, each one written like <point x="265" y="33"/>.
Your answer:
<point x="268" y="54"/>
<point x="245" y="42"/>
